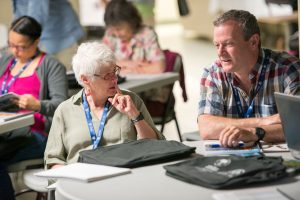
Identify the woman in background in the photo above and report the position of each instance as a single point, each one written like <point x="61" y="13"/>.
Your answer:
<point x="135" y="45"/>
<point x="40" y="82"/>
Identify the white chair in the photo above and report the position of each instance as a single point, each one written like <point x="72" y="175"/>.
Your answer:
<point x="35" y="184"/>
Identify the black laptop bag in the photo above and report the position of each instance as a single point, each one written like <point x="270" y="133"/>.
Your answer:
<point x="227" y="172"/>
<point x="136" y="153"/>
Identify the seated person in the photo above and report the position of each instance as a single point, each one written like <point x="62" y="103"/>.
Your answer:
<point x="237" y="100"/>
<point x="41" y="83"/>
<point x="100" y="114"/>
<point x="135" y="45"/>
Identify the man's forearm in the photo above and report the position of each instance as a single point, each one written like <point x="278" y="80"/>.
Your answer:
<point x="210" y="126"/>
<point x="274" y="133"/>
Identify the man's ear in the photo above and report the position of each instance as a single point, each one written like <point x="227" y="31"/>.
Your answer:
<point x="254" y="40"/>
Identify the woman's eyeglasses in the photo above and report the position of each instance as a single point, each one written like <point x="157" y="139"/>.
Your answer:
<point x="111" y="75"/>
<point x="19" y="47"/>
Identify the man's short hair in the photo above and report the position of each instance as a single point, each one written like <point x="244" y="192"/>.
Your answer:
<point x="245" y="19"/>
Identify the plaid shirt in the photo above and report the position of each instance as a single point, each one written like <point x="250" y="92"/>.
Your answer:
<point x="216" y="93"/>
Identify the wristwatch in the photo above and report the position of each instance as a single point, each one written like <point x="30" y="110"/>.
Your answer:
<point x="138" y="118"/>
<point x="260" y="133"/>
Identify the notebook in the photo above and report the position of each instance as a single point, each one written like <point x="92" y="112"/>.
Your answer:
<point x="7" y="102"/>
<point x="84" y="172"/>
<point x="289" y="109"/>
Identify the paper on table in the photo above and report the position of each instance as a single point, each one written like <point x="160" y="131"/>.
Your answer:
<point x="242" y="151"/>
<point x="268" y="148"/>
<point x="268" y="193"/>
<point x="84" y="172"/>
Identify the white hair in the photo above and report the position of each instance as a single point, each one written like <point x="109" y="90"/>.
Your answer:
<point x="89" y="59"/>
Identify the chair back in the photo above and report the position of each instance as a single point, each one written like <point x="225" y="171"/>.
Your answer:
<point x="165" y="112"/>
<point x="174" y="64"/>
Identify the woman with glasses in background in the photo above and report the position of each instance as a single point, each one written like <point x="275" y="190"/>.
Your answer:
<point x="40" y="82"/>
<point x="100" y="114"/>
<point x="134" y="44"/>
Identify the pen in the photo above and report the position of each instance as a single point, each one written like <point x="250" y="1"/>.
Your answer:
<point x="241" y="144"/>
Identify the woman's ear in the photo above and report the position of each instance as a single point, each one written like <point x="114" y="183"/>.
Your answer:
<point x="84" y="79"/>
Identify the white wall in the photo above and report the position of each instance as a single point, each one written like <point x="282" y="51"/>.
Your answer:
<point x="166" y="11"/>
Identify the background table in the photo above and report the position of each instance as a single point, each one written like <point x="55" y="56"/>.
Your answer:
<point x="138" y="83"/>
<point x="141" y="83"/>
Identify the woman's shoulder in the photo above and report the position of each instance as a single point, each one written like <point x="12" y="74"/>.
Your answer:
<point x="51" y="60"/>
<point x="133" y="95"/>
<point x="49" y="63"/>
<point x="128" y="92"/>
<point x="67" y="106"/>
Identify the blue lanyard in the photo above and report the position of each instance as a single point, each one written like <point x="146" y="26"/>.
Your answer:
<point x="4" y="89"/>
<point x="261" y="79"/>
<point x="95" y="139"/>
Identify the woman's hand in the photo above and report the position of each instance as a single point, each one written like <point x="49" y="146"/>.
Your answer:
<point x="124" y="104"/>
<point x="130" y="67"/>
<point x="29" y="102"/>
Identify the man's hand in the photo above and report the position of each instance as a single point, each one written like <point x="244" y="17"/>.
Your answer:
<point x="232" y="135"/>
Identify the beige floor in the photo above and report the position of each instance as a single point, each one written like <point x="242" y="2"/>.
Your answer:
<point x="196" y="54"/>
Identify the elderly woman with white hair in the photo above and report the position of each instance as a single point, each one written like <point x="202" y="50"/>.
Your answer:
<point x="100" y="114"/>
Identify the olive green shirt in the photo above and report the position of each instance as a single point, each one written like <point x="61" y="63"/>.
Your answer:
<point x="69" y="133"/>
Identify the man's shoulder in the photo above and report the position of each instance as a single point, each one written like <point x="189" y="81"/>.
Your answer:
<point x="283" y="57"/>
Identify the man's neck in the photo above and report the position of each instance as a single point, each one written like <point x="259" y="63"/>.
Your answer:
<point x="243" y="79"/>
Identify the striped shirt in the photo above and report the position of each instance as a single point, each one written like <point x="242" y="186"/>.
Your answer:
<point x="216" y="86"/>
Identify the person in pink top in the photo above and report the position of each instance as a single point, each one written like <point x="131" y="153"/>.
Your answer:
<point x="40" y="82"/>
